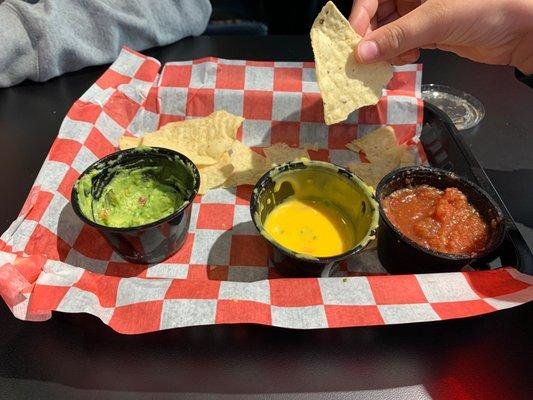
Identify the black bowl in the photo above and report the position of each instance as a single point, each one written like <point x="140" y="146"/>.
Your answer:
<point x="400" y="255"/>
<point x="360" y="205"/>
<point x="155" y="241"/>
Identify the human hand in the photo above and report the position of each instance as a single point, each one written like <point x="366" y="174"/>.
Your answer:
<point x="489" y="31"/>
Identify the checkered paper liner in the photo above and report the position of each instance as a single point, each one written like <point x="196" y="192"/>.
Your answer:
<point x="51" y="261"/>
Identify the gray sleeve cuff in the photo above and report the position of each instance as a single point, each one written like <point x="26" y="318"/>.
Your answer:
<point x="18" y="58"/>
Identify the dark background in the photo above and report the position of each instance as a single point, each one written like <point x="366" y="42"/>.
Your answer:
<point x="273" y="17"/>
<point x="76" y="356"/>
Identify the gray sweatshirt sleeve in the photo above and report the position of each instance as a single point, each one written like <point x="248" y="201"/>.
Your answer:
<point x="46" y="39"/>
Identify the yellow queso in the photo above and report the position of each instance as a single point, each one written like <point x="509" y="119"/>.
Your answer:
<point x="311" y="227"/>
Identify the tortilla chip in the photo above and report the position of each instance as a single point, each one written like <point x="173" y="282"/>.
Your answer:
<point x="407" y="159"/>
<point x="372" y="172"/>
<point x="366" y="172"/>
<point x="345" y="85"/>
<point x="383" y="152"/>
<point x="353" y="146"/>
<point x="128" y="142"/>
<point x="280" y="153"/>
<point x="203" y="140"/>
<point x="215" y="175"/>
<point x="311" y="146"/>
<point x="248" y="166"/>
<point x="375" y="144"/>
<point x="391" y="158"/>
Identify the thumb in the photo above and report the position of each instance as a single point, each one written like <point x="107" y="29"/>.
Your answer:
<point x="425" y="24"/>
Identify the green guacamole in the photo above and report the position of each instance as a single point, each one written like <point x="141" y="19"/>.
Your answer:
<point x="133" y="197"/>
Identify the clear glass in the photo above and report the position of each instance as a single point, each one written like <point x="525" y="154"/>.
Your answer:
<point x="463" y="109"/>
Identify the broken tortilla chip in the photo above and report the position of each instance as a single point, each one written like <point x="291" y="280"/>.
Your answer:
<point x="128" y="142"/>
<point x="248" y="165"/>
<point x="280" y="153"/>
<point x="215" y="175"/>
<point x="203" y="140"/>
<point x="366" y="172"/>
<point x="375" y="144"/>
<point x="311" y="146"/>
<point x="345" y="85"/>
<point x="211" y="144"/>
<point x="407" y="159"/>
<point x="390" y="159"/>
<point x="383" y="153"/>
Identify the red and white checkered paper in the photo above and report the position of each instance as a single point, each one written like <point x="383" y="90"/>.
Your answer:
<point x="51" y="261"/>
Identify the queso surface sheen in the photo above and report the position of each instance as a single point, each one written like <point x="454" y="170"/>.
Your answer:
<point x="311" y="227"/>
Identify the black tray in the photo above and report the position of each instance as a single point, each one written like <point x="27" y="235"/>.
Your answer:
<point x="446" y="149"/>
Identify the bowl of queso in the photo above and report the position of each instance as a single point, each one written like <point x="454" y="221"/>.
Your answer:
<point x="314" y="214"/>
<point x="139" y="200"/>
<point x="431" y="220"/>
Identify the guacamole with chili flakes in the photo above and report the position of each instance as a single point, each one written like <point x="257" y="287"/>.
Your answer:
<point x="133" y="197"/>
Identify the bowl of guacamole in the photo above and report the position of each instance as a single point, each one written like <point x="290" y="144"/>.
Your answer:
<point x="139" y="200"/>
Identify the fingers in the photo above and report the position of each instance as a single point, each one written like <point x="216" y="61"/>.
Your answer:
<point x="389" y="18"/>
<point x="373" y="25"/>
<point x="406" y="6"/>
<point x="362" y="13"/>
<point x="425" y="24"/>
<point x="409" y="57"/>
<point x="385" y="9"/>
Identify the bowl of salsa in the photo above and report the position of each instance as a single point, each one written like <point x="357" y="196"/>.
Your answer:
<point x="139" y="200"/>
<point x="314" y="214"/>
<point x="432" y="220"/>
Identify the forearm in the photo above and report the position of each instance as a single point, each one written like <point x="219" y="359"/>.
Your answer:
<point x="56" y="36"/>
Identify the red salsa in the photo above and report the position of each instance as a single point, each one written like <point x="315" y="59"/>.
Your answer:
<point x="439" y="220"/>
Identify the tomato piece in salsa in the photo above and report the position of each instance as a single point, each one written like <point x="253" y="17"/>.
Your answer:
<point x="443" y="221"/>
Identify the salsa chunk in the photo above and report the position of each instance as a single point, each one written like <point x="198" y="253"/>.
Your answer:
<point x="440" y="220"/>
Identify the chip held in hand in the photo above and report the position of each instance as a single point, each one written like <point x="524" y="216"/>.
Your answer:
<point x="345" y="85"/>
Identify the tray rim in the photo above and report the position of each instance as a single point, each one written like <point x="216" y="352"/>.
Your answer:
<point x="523" y="254"/>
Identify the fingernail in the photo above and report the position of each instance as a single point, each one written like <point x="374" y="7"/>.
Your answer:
<point x="368" y="50"/>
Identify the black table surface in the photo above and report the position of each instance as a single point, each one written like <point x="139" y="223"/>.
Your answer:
<point x="77" y="356"/>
